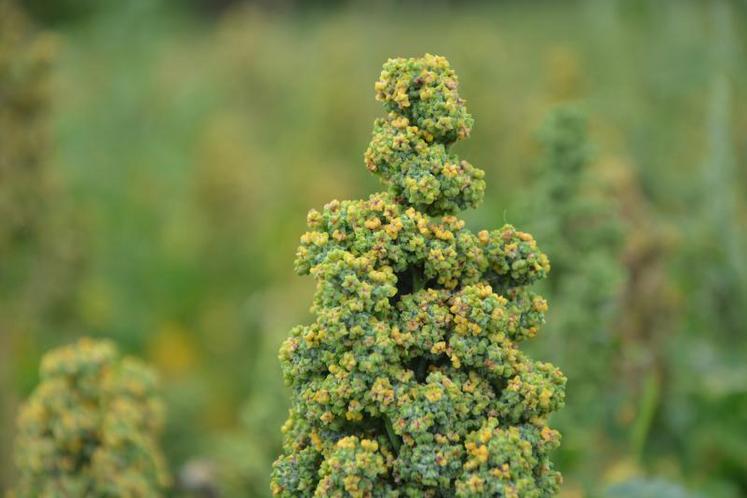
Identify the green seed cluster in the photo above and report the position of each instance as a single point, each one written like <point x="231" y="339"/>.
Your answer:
<point x="410" y="382"/>
<point x="409" y="149"/>
<point x="90" y="428"/>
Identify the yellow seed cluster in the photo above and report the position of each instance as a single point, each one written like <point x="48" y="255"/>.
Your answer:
<point x="410" y="382"/>
<point x="410" y="147"/>
<point x="90" y="429"/>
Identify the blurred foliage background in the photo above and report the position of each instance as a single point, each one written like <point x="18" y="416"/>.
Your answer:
<point x="157" y="160"/>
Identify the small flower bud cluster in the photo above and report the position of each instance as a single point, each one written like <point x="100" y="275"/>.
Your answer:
<point x="410" y="382"/>
<point x="409" y="149"/>
<point x="90" y="428"/>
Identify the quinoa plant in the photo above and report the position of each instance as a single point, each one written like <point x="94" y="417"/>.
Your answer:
<point x="410" y="382"/>
<point x="90" y="428"/>
<point x="25" y="59"/>
<point x="580" y="222"/>
<point x="584" y="238"/>
<point x="39" y="249"/>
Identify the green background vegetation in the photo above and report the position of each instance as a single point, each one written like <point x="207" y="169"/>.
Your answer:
<point x="187" y="142"/>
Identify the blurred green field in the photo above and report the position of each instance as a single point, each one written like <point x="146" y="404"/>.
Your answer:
<point x="186" y="149"/>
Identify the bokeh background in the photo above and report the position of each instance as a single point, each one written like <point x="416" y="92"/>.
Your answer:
<point x="158" y="157"/>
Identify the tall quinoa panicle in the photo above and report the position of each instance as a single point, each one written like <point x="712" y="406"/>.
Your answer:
<point x="90" y="428"/>
<point x="410" y="382"/>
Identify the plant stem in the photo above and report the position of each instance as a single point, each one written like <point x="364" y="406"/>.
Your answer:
<point x="392" y="436"/>
<point x="420" y="373"/>
<point x="418" y="280"/>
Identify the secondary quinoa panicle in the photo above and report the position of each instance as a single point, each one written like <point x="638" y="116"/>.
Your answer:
<point x="90" y="429"/>
<point x="410" y="382"/>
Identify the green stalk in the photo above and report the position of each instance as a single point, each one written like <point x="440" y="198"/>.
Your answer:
<point x="648" y="404"/>
<point x="391" y="435"/>
<point x="418" y="280"/>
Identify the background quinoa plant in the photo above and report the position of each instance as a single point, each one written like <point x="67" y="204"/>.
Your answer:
<point x="40" y="253"/>
<point x="569" y="209"/>
<point x="410" y="382"/>
<point x="90" y="429"/>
